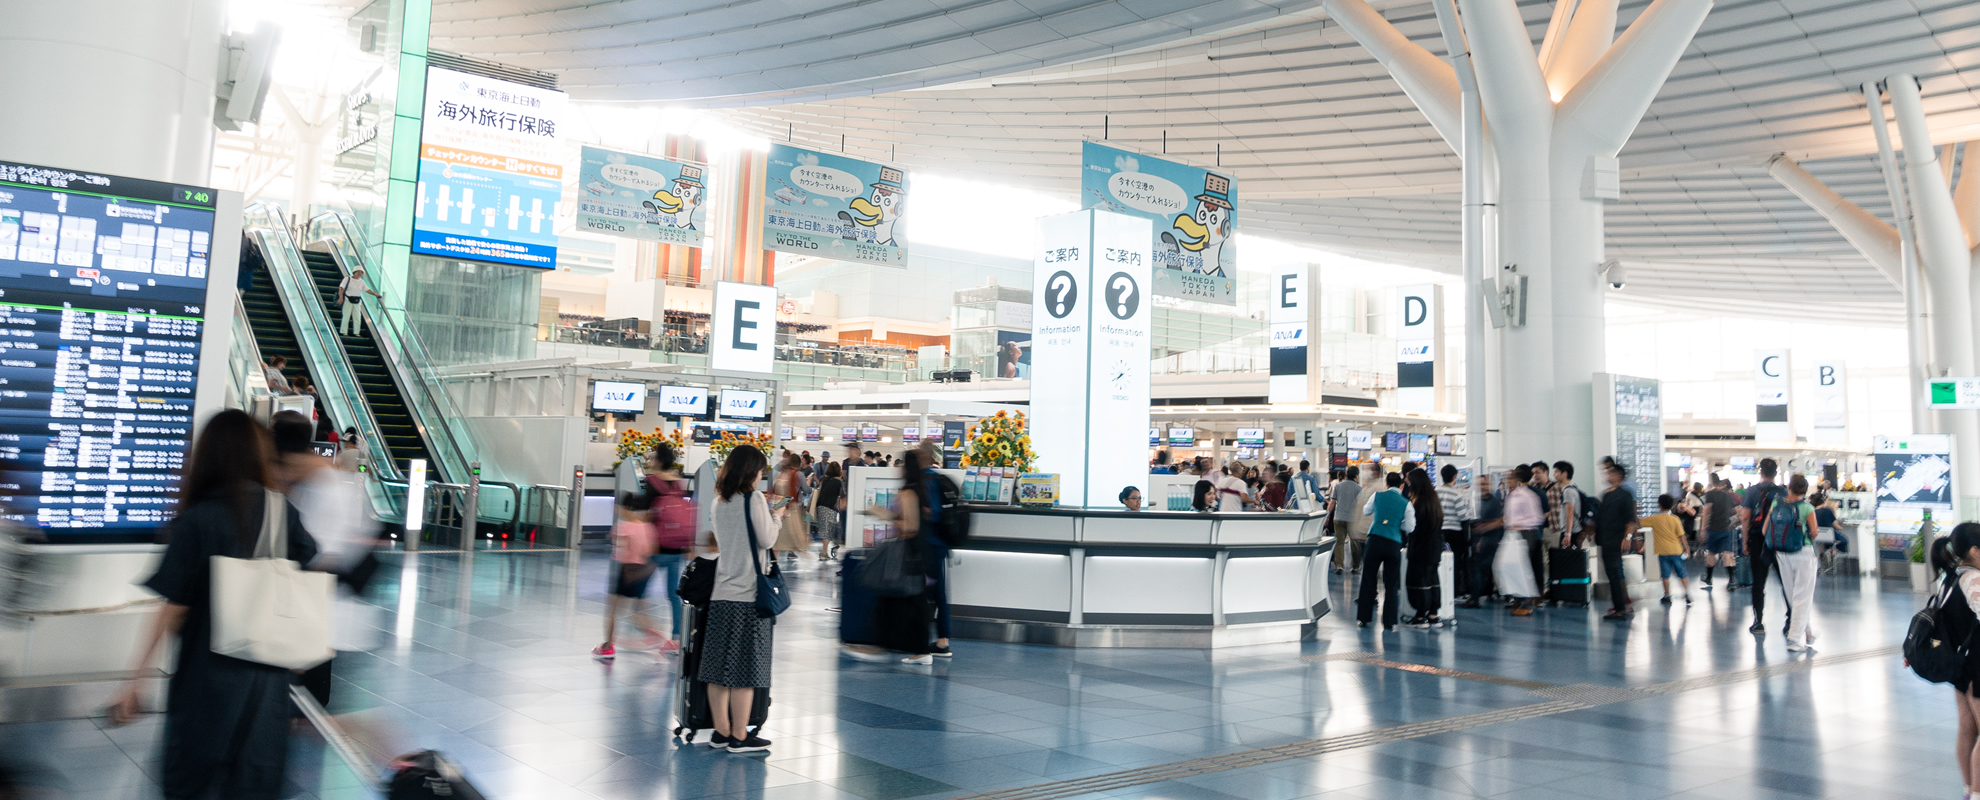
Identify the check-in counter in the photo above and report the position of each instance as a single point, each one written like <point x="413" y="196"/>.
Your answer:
<point x="1080" y="578"/>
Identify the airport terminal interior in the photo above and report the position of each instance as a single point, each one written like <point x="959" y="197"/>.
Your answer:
<point x="989" y="399"/>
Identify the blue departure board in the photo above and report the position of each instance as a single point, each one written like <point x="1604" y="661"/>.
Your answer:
<point x="102" y="304"/>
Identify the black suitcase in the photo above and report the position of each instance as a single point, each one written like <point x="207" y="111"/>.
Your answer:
<point x="856" y="604"/>
<point x="691" y="717"/>
<point x="427" y="775"/>
<point x="1567" y="575"/>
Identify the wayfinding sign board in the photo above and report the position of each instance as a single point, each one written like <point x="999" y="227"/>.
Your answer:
<point x="103" y="302"/>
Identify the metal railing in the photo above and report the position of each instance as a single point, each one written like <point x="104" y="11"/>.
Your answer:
<point x="686" y="342"/>
<point x="441" y="425"/>
<point x="245" y="378"/>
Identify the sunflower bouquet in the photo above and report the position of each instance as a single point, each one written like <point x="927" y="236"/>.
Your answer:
<point x="636" y="444"/>
<point x="730" y="440"/>
<point x="1000" y="441"/>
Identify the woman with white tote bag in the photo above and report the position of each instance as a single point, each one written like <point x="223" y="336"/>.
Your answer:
<point x="227" y="718"/>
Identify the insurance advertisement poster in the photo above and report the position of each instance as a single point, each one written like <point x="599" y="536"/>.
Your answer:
<point x="642" y="197"/>
<point x="832" y="206"/>
<point x="1191" y="209"/>
<point x="490" y="170"/>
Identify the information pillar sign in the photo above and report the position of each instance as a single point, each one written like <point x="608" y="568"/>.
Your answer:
<point x="1772" y="420"/>
<point x="1629" y="425"/>
<point x="1419" y="348"/>
<point x="744" y="332"/>
<point x="1091" y="334"/>
<point x="1293" y="301"/>
<point x="1831" y="404"/>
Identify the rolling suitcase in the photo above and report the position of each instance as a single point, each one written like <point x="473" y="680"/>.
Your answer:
<point x="855" y="602"/>
<point x="421" y="775"/>
<point x="1567" y="575"/>
<point x="692" y="722"/>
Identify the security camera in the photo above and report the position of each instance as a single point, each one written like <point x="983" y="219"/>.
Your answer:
<point x="1612" y="271"/>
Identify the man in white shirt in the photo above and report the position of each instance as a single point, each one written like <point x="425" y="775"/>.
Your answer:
<point x="1231" y="492"/>
<point x="352" y="292"/>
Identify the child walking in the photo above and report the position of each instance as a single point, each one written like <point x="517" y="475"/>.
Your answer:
<point x="1668" y="531"/>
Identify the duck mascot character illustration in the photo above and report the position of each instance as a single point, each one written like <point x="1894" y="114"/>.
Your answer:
<point x="1206" y="231"/>
<point x="676" y="208"/>
<point x="881" y="209"/>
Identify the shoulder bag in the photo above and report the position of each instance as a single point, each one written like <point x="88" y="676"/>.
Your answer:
<point x="267" y="609"/>
<point x="772" y="598"/>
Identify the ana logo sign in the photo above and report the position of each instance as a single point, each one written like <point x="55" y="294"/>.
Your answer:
<point x="1061" y="294"/>
<point x="1123" y="295"/>
<point x="618" y="395"/>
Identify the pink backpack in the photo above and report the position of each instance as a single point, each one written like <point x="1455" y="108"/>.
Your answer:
<point x="673" y="515"/>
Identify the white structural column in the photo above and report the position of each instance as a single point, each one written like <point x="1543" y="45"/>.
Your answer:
<point x="113" y="86"/>
<point x="1481" y="351"/>
<point x="1917" y="308"/>
<point x="1557" y="119"/>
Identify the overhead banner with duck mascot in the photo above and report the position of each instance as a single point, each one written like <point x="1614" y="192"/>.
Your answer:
<point x="832" y="206"/>
<point x="642" y="197"/>
<point x="1193" y="210"/>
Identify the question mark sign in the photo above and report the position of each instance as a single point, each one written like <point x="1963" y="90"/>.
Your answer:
<point x="1061" y="292"/>
<point x="1123" y="292"/>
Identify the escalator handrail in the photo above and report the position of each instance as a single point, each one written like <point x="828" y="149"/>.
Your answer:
<point x="433" y="410"/>
<point x="515" y="510"/>
<point x="311" y="324"/>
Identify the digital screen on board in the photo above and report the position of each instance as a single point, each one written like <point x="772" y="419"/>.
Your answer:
<point x="1443" y="444"/>
<point x="1420" y="443"/>
<point x="869" y="433"/>
<point x="684" y="401"/>
<point x="628" y="398"/>
<point x="1360" y="439"/>
<point x="102" y="303"/>
<point x="1395" y="442"/>
<point x="1154" y="437"/>
<point x="813" y="434"/>
<point x="1251" y="437"/>
<point x="744" y="404"/>
<point x="1182" y="437"/>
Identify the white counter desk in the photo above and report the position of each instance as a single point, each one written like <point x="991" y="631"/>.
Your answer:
<point x="1079" y="578"/>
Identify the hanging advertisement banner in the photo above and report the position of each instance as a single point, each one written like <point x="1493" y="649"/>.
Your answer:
<point x="490" y="170"/>
<point x="832" y="206"/>
<point x="1772" y="374"/>
<point x="1418" y="347"/>
<point x="1090" y="339"/>
<point x="744" y="333"/>
<point x="1831" y="404"/>
<point x="1629" y="425"/>
<point x="1192" y="213"/>
<point x="642" y="197"/>
<point x="1289" y="300"/>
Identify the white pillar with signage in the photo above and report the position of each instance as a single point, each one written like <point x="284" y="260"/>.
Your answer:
<point x="1773" y="374"/>
<point x="1831" y="404"/>
<point x="1091" y="331"/>
<point x="1419" y="349"/>
<point x="744" y="332"/>
<point x="1294" y="298"/>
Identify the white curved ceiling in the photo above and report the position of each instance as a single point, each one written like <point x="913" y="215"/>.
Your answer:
<point x="1327" y="149"/>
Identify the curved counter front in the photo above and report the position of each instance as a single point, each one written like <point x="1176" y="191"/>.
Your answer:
<point x="1077" y="578"/>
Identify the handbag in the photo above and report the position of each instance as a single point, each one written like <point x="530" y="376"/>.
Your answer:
<point x="772" y="598"/>
<point x="894" y="569"/>
<point x="267" y="609"/>
<point x="697" y="585"/>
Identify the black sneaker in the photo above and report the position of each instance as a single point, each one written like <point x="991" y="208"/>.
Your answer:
<point x="1360" y="624"/>
<point x="1757" y="629"/>
<point x="1666" y="600"/>
<point x="1421" y="621"/>
<point x="719" y="741"/>
<point x="939" y="651"/>
<point x="753" y="744"/>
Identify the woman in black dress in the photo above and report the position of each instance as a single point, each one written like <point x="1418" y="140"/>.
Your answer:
<point x="226" y="720"/>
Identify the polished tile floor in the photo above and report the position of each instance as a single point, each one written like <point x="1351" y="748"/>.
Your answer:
<point x="489" y="664"/>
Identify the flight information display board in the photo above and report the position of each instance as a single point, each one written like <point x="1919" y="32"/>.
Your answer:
<point x="102" y="302"/>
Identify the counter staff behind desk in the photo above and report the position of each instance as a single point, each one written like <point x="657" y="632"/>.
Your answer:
<point x="1131" y="497"/>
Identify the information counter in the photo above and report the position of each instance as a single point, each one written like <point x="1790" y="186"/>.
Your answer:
<point x="1078" y="578"/>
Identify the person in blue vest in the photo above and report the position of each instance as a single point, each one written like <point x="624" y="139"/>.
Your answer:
<point x="1390" y="517"/>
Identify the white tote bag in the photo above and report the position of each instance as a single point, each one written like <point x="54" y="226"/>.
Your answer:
<point x="267" y="609"/>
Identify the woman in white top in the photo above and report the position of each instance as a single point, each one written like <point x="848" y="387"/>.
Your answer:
<point x="735" y="647"/>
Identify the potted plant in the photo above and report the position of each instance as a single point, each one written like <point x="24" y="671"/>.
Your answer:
<point x="1921" y="573"/>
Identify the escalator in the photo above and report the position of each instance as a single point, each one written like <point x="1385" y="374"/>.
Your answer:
<point x="388" y="408"/>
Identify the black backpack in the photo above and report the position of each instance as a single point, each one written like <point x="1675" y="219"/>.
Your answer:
<point x="955" y="517"/>
<point x="1926" y="649"/>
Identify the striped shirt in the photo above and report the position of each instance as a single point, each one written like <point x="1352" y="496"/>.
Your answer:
<point x="1454" y="505"/>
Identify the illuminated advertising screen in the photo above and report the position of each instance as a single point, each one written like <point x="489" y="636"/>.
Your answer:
<point x="1182" y="437"/>
<point x="1251" y="437"/>
<point x="629" y="398"/>
<point x="491" y="170"/>
<point x="1395" y="442"/>
<point x="1358" y="439"/>
<point x="102" y="306"/>
<point x="743" y="404"/>
<point x="684" y="401"/>
<point x="1420" y="443"/>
